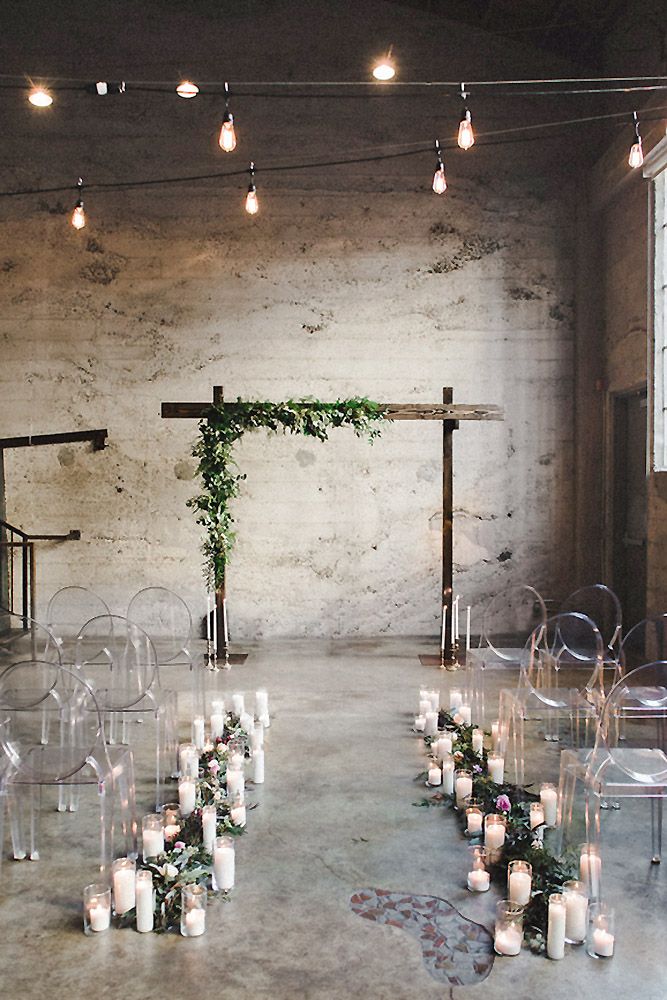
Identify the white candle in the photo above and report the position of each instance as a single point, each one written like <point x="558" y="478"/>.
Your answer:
<point x="435" y="700"/>
<point x="496" y="769"/>
<point x="257" y="737"/>
<point x="235" y="781"/>
<point x="209" y="824"/>
<point x="455" y="699"/>
<point x="456" y="617"/>
<point x="448" y="777"/>
<point x="478" y="741"/>
<point x="238" y="704"/>
<point x="223" y="868"/>
<point x="99" y="917"/>
<point x="195" y="922"/>
<point x="556" y="930"/>
<point x="478" y="881"/>
<point x="467" y="627"/>
<point x="494" y="836"/>
<point x="497" y="735"/>
<point x="430" y="723"/>
<point x="247" y="722"/>
<point x="508" y="941"/>
<point x="519" y="887"/>
<point x="475" y="821"/>
<point x="603" y="942"/>
<point x="186" y="796"/>
<point x="590" y="867"/>
<point x="198" y="735"/>
<point x="463" y="789"/>
<point x="215" y="624"/>
<point x="549" y="800"/>
<point x="434" y="774"/>
<point x="443" y="746"/>
<point x="258" y="767"/>
<point x="225" y="626"/>
<point x="124" y="889"/>
<point x="465" y="713"/>
<point x="217" y="724"/>
<point x="576" y="913"/>
<point x="144" y="897"/>
<point x="443" y="629"/>
<point x="208" y="619"/>
<point x="171" y="830"/>
<point x="188" y="760"/>
<point x="424" y="706"/>
<point x="420" y="722"/>
<point x="237" y="814"/>
<point x="536" y="815"/>
<point x="153" y="843"/>
<point x="262" y="707"/>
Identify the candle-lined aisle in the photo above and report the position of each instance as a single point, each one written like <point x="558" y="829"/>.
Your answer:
<point x="506" y="826"/>
<point x="187" y="848"/>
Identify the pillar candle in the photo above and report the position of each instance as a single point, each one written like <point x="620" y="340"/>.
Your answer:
<point x="494" y="835"/>
<point x="424" y="706"/>
<point x="549" y="800"/>
<point x="435" y="700"/>
<point x="475" y="820"/>
<point x="590" y="867"/>
<point x="430" y="723"/>
<point x="258" y="767"/>
<point x="247" y="722"/>
<point x="496" y="765"/>
<point x="99" y="917"/>
<point x="455" y="699"/>
<point x="217" y="724"/>
<point x="420" y="722"/>
<point x="257" y="737"/>
<point x="478" y="881"/>
<point x="556" y="927"/>
<point x="262" y="707"/>
<point x="463" y="789"/>
<point x="144" y="901"/>
<point x="467" y="628"/>
<point x="188" y="760"/>
<point x="434" y="773"/>
<point x="497" y="735"/>
<point x="519" y="887"/>
<point x="465" y="714"/>
<point x="448" y="777"/>
<point x="603" y="942"/>
<point x="536" y="814"/>
<point x="209" y="826"/>
<point x="153" y="843"/>
<point x="508" y="941"/>
<point x="238" y="704"/>
<point x="223" y="866"/>
<point x="443" y="746"/>
<point x="235" y="781"/>
<point x="198" y="734"/>
<point x="478" y="741"/>
<point x="186" y="796"/>
<point x="124" y="889"/>
<point x="195" y="922"/>
<point x="456" y="617"/>
<point x="237" y="814"/>
<point x="576" y="914"/>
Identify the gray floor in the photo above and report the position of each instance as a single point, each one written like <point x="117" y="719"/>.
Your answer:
<point x="334" y="816"/>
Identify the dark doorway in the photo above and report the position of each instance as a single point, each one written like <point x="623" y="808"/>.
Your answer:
<point x="629" y="495"/>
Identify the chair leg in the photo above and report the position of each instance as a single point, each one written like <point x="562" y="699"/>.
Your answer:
<point x="16" y="808"/>
<point x="656" y="830"/>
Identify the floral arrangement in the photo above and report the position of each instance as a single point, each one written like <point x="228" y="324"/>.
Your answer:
<point x="521" y="842"/>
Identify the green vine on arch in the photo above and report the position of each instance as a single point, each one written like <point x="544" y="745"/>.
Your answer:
<point x="220" y="476"/>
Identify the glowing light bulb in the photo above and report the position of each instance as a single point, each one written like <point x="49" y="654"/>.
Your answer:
<point x="636" y="157"/>
<point x="40" y="98"/>
<point x="78" y="216"/>
<point x="466" y="136"/>
<point x="187" y="89"/>
<point x="384" y="71"/>
<point x="251" y="203"/>
<point x="227" y="140"/>
<point x="439" y="180"/>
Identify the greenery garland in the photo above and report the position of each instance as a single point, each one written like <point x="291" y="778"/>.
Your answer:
<point x="521" y="843"/>
<point x="225" y="426"/>
<point x="186" y="861"/>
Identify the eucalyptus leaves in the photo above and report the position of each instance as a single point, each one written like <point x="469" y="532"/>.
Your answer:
<point x="220" y="476"/>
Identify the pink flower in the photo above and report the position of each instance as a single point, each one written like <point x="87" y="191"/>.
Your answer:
<point x="214" y="767"/>
<point x="179" y="845"/>
<point x="503" y="804"/>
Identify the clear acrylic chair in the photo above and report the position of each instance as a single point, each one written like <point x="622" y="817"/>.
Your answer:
<point x="121" y="667"/>
<point x="25" y="639"/>
<point x="646" y="642"/>
<point x="554" y="685"/>
<point x="599" y="603"/>
<point x="78" y="756"/>
<point x="166" y="618"/>
<point x="68" y="611"/>
<point x="635" y="767"/>
<point x="508" y="622"/>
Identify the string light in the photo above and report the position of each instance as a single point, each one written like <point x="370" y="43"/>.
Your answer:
<point x="439" y="179"/>
<point x="385" y="68"/>
<point x="636" y="157"/>
<point x="227" y="140"/>
<point x="187" y="89"/>
<point x="40" y="98"/>
<point x="466" y="136"/>
<point x="251" y="202"/>
<point x="78" y="215"/>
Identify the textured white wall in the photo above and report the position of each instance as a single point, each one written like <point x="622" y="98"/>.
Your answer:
<point x="350" y="281"/>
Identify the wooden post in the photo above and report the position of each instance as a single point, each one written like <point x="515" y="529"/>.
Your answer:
<point x="447" y="520"/>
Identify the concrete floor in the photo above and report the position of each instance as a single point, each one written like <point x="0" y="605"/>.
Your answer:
<point x="334" y="816"/>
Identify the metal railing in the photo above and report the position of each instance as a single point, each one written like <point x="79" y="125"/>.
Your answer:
<point x="17" y="568"/>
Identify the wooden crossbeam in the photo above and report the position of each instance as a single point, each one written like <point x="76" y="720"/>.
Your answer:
<point x="98" y="437"/>
<point x="390" y="411"/>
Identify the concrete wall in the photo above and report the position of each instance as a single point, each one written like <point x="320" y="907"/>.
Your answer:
<point x="354" y="280"/>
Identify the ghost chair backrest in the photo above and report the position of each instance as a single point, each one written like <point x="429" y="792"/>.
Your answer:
<point x="120" y="665"/>
<point x="166" y="618"/>
<point x="599" y="603"/>
<point x="24" y="639"/>
<point x="68" y="611"/>
<point x="547" y="662"/>
<point x="646" y="642"/>
<point x="510" y="618"/>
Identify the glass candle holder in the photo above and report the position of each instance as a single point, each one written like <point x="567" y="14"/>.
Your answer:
<point x="498" y="736"/>
<point x="557" y="920"/>
<point x="238" y="704"/>
<point x="171" y="813"/>
<point x="430" y="723"/>
<point x="576" y="911"/>
<point x="508" y="935"/>
<point x="209" y="825"/>
<point x="237" y="813"/>
<point x="145" y="901"/>
<point x="434" y="772"/>
<point x="236" y="752"/>
<point x="424" y="704"/>
<point x="494" y="836"/>
<point x="479" y="879"/>
<point x="462" y="786"/>
<point x="123" y="874"/>
<point x="193" y="910"/>
<point x="536" y="817"/>
<point x="443" y="746"/>
<point x="152" y="836"/>
<point x="478" y="742"/>
<point x="435" y="700"/>
<point x="262" y="706"/>
<point x="519" y="882"/>
<point x="235" y="779"/>
<point x="590" y="869"/>
<point x="496" y="764"/>
<point x="223" y="864"/>
<point x="187" y="794"/>
<point x="455" y="700"/>
<point x="188" y="760"/>
<point x="96" y="908"/>
<point x="420" y="723"/>
<point x="198" y="732"/>
<point x="463" y="715"/>
<point x="600" y="940"/>
<point x="257" y="737"/>
<point x="217" y="719"/>
<point x="549" y="800"/>
<point x="474" y="819"/>
<point x="448" y="774"/>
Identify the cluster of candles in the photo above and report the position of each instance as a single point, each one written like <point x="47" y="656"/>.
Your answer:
<point x="575" y="915"/>
<point x="132" y="889"/>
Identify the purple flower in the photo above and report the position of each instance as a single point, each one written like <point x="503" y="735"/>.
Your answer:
<point x="179" y="845"/>
<point x="214" y="767"/>
<point x="477" y="769"/>
<point x="503" y="804"/>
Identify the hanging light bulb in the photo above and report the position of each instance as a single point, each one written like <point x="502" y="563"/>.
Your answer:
<point x="227" y="140"/>
<point x="439" y="179"/>
<point x="385" y="68"/>
<point x="466" y="136"/>
<point x="187" y="89"/>
<point x="40" y="98"/>
<point x="251" y="202"/>
<point x="636" y="157"/>
<point x="78" y="215"/>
